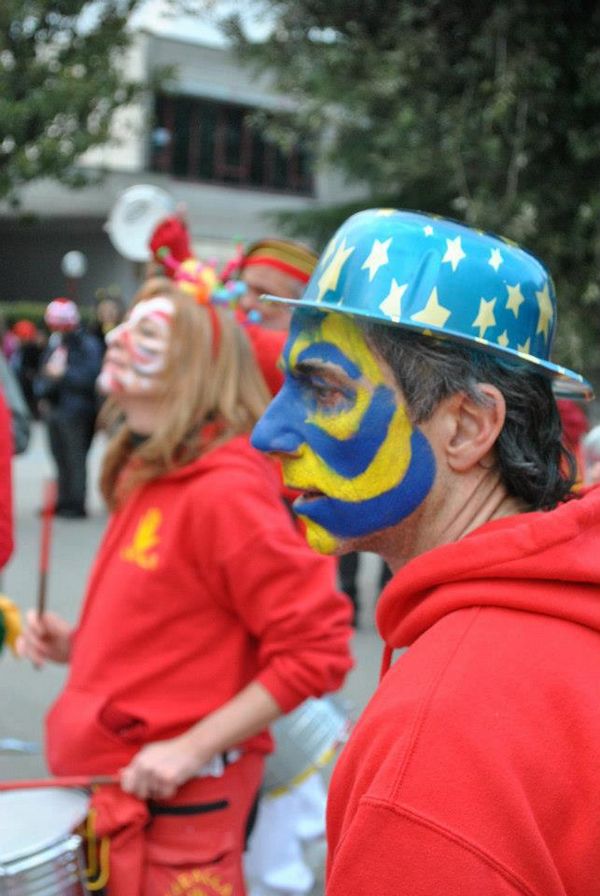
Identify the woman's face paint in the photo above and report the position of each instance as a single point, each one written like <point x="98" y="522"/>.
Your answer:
<point x="137" y="350"/>
<point x="343" y="435"/>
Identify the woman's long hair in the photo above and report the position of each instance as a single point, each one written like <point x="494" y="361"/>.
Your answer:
<point x="211" y="376"/>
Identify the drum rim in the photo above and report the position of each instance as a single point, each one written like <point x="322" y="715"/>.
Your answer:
<point x="54" y="838"/>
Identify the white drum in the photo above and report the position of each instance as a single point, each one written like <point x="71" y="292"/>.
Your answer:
<point x="133" y="218"/>
<point x="40" y="855"/>
<point x="306" y="740"/>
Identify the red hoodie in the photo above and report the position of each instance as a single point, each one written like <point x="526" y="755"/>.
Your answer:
<point x="475" y="769"/>
<point x="201" y="585"/>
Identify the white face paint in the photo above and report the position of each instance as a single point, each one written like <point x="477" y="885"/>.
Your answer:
<point x="137" y="350"/>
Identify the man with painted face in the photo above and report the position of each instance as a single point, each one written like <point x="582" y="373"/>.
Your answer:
<point x="418" y="420"/>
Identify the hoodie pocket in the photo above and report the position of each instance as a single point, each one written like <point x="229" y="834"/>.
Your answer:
<point x="86" y="735"/>
<point x="191" y="849"/>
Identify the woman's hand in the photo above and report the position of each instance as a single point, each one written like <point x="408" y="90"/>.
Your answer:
<point x="45" y="638"/>
<point x="159" y="769"/>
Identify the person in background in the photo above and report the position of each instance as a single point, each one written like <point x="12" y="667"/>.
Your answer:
<point x="206" y="614"/>
<point x="574" y="426"/>
<point x="10" y="620"/>
<point x="26" y="360"/>
<point x="8" y="340"/>
<point x="590" y="450"/>
<point x="109" y="313"/>
<point x="66" y="391"/>
<point x="19" y="412"/>
<point x="273" y="266"/>
<point x="418" y="420"/>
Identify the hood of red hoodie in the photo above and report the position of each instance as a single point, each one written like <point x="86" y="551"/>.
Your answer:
<point x="235" y="454"/>
<point x="542" y="562"/>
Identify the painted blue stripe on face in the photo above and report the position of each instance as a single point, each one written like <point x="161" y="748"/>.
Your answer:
<point x="351" y="457"/>
<point x="347" y="519"/>
<point x="327" y="353"/>
<point x="282" y="425"/>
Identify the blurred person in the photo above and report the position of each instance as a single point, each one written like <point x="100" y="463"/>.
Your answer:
<point x="8" y="340"/>
<point x="206" y="614"/>
<point x="278" y="267"/>
<point x="418" y="420"/>
<point x="65" y="388"/>
<point x="574" y="426"/>
<point x="108" y="314"/>
<point x="590" y="449"/>
<point x="26" y="360"/>
<point x="19" y="412"/>
<point x="10" y="621"/>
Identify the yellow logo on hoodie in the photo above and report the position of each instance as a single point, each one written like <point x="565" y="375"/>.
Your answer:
<point x="142" y="551"/>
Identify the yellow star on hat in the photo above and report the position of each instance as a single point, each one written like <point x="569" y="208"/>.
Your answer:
<point x="378" y="256"/>
<point x="515" y="299"/>
<point x="454" y="253"/>
<point x="485" y="317"/>
<point x="433" y="313"/>
<point x="330" y="276"/>
<point x="545" y="306"/>
<point x="392" y="304"/>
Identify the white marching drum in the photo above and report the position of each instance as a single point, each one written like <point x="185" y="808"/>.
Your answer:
<point x="133" y="218"/>
<point x="305" y="741"/>
<point x="40" y="855"/>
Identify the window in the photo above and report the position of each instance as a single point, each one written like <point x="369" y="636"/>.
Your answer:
<point x="198" y="139"/>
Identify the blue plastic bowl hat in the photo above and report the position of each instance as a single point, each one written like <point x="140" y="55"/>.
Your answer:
<point x="443" y="279"/>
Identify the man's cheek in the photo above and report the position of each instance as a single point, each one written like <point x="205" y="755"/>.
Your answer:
<point x="319" y="538"/>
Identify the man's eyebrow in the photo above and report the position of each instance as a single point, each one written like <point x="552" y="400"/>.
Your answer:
<point x="324" y="354"/>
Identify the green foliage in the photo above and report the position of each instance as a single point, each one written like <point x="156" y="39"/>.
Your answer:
<point x="60" y="83"/>
<point x="487" y="112"/>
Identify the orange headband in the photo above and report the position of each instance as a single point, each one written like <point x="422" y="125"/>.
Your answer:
<point x="284" y="255"/>
<point x="215" y="326"/>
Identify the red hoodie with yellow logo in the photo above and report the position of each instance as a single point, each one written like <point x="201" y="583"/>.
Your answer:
<point x="201" y="585"/>
<point x="475" y="769"/>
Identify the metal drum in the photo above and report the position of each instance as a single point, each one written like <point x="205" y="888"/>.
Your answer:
<point x="306" y="740"/>
<point x="40" y="855"/>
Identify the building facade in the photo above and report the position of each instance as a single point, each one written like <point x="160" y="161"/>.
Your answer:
<point x="196" y="137"/>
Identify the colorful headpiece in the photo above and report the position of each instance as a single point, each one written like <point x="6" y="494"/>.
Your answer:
<point x="25" y="330"/>
<point x="170" y="239"/>
<point x="170" y="246"/>
<point x="284" y="255"/>
<point x="62" y="314"/>
<point x="441" y="278"/>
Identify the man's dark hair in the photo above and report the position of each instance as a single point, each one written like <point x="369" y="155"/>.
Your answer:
<point x="534" y="465"/>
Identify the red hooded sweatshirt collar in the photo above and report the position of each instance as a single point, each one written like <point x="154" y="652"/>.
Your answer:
<point x="547" y="550"/>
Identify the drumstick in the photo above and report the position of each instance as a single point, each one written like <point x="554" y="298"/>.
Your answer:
<point x="48" y="508"/>
<point x="60" y="781"/>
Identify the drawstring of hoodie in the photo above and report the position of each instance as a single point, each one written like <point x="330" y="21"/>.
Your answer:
<point x="386" y="660"/>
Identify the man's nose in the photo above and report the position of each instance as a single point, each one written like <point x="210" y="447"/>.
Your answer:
<point x="277" y="430"/>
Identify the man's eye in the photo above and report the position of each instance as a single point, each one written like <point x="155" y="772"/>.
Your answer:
<point x="328" y="396"/>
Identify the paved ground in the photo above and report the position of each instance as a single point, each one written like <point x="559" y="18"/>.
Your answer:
<point x="25" y="693"/>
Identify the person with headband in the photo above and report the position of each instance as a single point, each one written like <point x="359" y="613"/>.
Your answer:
<point x="278" y="267"/>
<point x="206" y="615"/>
<point x="418" y="421"/>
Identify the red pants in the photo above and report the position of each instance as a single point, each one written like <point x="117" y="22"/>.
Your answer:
<point x="192" y="844"/>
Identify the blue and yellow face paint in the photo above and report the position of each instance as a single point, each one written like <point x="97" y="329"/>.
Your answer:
<point x="343" y="435"/>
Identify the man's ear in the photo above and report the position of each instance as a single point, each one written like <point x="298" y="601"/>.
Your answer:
<point x="476" y="427"/>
